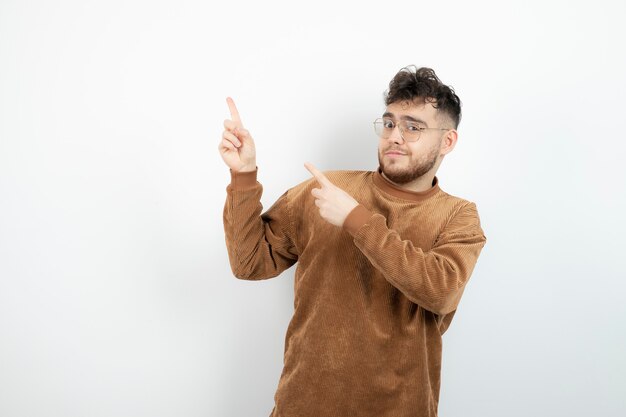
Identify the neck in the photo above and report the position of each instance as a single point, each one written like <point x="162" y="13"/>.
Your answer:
<point x="423" y="183"/>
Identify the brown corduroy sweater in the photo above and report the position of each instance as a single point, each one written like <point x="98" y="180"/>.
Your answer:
<point x="372" y="298"/>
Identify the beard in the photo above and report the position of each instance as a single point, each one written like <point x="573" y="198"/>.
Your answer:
<point x="412" y="172"/>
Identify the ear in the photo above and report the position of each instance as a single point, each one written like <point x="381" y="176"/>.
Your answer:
<point x="448" y="142"/>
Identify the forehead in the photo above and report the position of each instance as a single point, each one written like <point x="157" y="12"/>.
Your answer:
<point x="421" y="111"/>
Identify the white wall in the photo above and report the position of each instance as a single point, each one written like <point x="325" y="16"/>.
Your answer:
<point x="116" y="296"/>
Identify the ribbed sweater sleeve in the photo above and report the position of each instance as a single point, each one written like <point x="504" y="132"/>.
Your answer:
<point x="434" y="279"/>
<point x="259" y="246"/>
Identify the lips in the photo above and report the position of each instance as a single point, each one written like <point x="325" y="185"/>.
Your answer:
<point x="394" y="153"/>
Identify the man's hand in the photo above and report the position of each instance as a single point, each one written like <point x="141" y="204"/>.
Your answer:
<point x="334" y="203"/>
<point x="237" y="146"/>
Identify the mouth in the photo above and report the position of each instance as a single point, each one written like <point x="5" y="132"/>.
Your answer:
<point x="394" y="153"/>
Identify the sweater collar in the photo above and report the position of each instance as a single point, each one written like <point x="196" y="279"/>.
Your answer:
<point x="390" y="188"/>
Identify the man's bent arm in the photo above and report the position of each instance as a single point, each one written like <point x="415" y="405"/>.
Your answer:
<point x="260" y="246"/>
<point x="435" y="279"/>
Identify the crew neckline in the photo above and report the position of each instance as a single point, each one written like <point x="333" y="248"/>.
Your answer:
<point x="390" y="188"/>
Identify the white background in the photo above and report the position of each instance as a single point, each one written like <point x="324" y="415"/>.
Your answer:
<point x="116" y="295"/>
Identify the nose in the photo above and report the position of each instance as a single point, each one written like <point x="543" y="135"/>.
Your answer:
<point x="396" y="135"/>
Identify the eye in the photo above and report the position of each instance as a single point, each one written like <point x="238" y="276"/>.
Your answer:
<point x="388" y="124"/>
<point x="414" y="128"/>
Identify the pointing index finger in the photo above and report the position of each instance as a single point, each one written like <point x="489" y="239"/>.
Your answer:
<point x="319" y="175"/>
<point x="234" y="114"/>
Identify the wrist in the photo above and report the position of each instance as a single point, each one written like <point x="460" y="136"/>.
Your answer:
<point x="243" y="179"/>
<point x="247" y="168"/>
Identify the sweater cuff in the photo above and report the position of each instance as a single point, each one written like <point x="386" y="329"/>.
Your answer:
<point x="356" y="218"/>
<point x="239" y="180"/>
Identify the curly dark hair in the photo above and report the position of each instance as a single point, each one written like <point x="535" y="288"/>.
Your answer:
<point x="423" y="84"/>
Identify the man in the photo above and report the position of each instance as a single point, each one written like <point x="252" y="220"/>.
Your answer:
<point x="383" y="259"/>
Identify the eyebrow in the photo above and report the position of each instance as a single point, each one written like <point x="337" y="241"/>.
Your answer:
<point x="404" y="117"/>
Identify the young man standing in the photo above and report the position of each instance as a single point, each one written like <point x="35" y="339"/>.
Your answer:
<point x="383" y="259"/>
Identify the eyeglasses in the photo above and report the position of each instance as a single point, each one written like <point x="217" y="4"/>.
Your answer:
<point x="409" y="131"/>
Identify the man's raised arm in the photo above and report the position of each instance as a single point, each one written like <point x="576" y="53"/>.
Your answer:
<point x="260" y="246"/>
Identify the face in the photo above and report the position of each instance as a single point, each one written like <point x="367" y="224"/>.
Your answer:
<point x="401" y="161"/>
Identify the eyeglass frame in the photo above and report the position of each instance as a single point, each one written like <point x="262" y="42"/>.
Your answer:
<point x="421" y="129"/>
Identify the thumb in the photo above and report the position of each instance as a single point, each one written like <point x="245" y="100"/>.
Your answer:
<point x="241" y="133"/>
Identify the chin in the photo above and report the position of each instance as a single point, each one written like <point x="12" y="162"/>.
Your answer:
<point x="395" y="166"/>
<point x="396" y="174"/>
